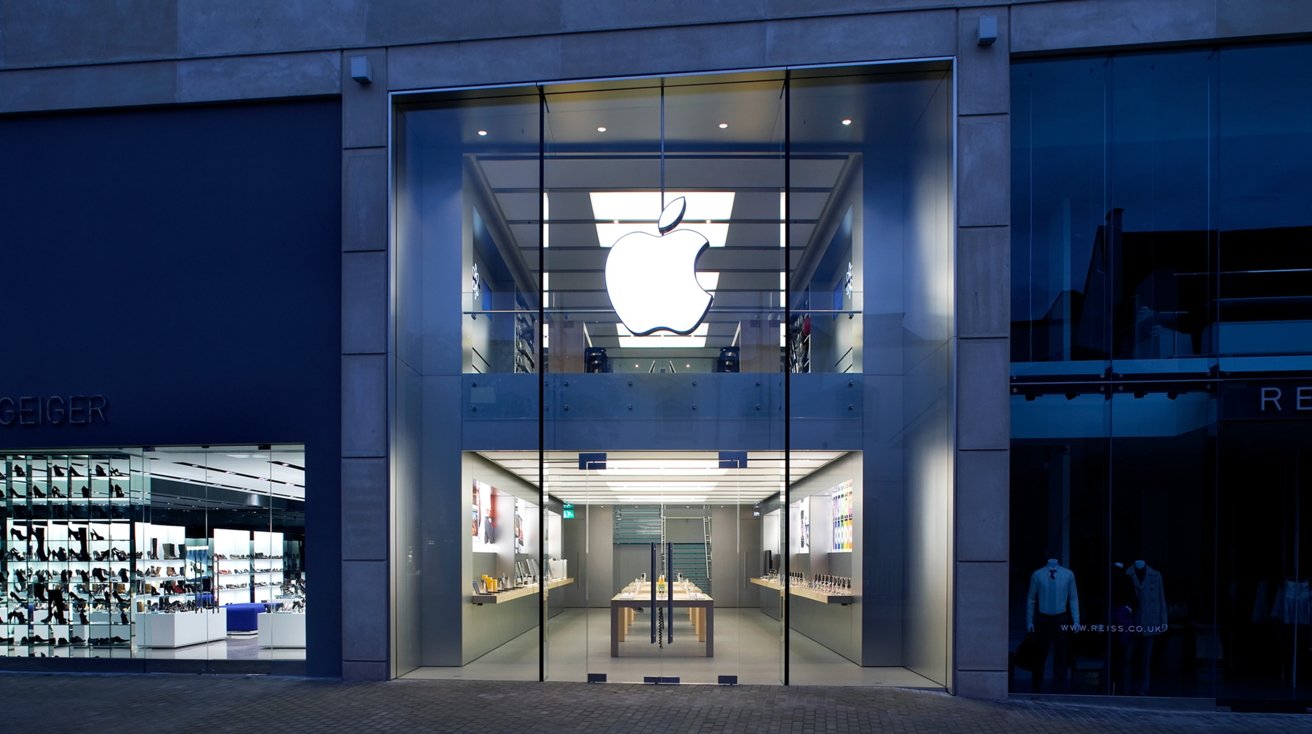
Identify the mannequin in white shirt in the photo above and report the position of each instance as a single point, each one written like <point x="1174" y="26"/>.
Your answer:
<point x="1052" y="613"/>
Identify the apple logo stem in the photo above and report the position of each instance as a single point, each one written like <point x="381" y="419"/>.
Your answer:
<point x="652" y="280"/>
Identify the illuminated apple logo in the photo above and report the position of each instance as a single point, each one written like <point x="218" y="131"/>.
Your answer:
<point x="652" y="281"/>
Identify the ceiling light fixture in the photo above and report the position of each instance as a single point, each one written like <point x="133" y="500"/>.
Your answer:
<point x="636" y="208"/>
<point x="482" y="133"/>
<point x="601" y="128"/>
<point x="724" y="125"/>
<point x="847" y="121"/>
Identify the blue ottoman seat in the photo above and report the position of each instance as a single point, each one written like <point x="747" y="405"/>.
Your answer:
<point x="243" y="617"/>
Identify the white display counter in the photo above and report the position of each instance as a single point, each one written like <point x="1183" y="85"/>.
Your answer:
<point x="282" y="629"/>
<point x="180" y="629"/>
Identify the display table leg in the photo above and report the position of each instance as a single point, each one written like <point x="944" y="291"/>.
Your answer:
<point x="616" y="629"/>
<point x="709" y="611"/>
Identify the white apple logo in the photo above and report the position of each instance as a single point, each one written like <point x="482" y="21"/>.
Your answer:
<point x="652" y="281"/>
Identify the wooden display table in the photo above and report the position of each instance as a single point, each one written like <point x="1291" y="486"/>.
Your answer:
<point x="806" y="592"/>
<point x="700" y="606"/>
<point x="501" y="597"/>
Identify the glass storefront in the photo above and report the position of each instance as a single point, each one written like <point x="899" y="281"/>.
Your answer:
<point x="175" y="557"/>
<point x="1160" y="340"/>
<point x="697" y="425"/>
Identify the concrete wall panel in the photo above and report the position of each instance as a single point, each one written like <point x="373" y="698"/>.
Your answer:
<point x="364" y="510"/>
<point x="78" y="87"/>
<point x="1093" y="23"/>
<point x="245" y="26"/>
<point x="982" y="505"/>
<point x="364" y="199"/>
<point x="40" y="32"/>
<point x="256" y="77"/>
<point x="983" y="72"/>
<point x="981" y="616"/>
<point x="983" y="367"/>
<point x="364" y="612"/>
<point x="364" y="302"/>
<point x="364" y="406"/>
<point x="983" y="282"/>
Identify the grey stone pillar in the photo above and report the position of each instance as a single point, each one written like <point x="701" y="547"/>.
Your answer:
<point x="983" y="434"/>
<point x="366" y="587"/>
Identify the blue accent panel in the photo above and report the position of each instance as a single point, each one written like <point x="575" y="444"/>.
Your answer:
<point x="733" y="459"/>
<point x="592" y="461"/>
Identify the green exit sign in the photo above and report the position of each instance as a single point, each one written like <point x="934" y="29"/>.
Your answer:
<point x="569" y="513"/>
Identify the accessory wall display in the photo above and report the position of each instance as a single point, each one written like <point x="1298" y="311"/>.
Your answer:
<point x="843" y="514"/>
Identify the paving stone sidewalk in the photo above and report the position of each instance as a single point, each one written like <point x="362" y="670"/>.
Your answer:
<point x="194" y="703"/>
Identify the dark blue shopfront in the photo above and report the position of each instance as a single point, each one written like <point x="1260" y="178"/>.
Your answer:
<point x="172" y="278"/>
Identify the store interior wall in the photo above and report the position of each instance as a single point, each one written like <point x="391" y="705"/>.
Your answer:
<point x="592" y="529"/>
<point x="908" y="330"/>
<point x="928" y="332"/>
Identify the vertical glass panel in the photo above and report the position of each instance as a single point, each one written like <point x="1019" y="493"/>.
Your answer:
<point x="467" y="222"/>
<point x="1061" y="219"/>
<point x="1264" y="222"/>
<point x="1264" y="557"/>
<point x="1060" y="458"/>
<point x="664" y="308"/>
<point x="1158" y="597"/>
<point x="869" y="346"/>
<point x="1159" y="247"/>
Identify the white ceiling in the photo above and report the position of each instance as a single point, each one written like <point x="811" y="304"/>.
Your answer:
<point x="279" y="472"/>
<point x="675" y="477"/>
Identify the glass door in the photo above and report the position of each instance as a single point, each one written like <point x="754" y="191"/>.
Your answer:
<point x="1264" y="564"/>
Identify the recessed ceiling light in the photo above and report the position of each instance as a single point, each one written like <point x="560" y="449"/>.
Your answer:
<point x="601" y="128"/>
<point x="847" y="121"/>
<point x="724" y="125"/>
<point x="482" y="133"/>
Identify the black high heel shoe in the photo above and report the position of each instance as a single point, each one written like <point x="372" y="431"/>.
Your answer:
<point x="118" y="492"/>
<point x="96" y="536"/>
<point x="58" y="470"/>
<point x="36" y="492"/>
<point x="86" y="492"/>
<point x="14" y="595"/>
<point x="13" y="533"/>
<point x="100" y="470"/>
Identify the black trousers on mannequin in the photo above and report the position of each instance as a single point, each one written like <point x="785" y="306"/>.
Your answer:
<point x="1049" y="632"/>
<point x="1142" y="661"/>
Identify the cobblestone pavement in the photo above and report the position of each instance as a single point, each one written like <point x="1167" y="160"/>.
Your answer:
<point x="180" y="703"/>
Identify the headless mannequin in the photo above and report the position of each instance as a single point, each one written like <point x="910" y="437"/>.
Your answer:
<point x="1052" y="614"/>
<point x="1150" y="621"/>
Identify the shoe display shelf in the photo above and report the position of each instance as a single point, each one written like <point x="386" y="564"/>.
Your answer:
<point x="233" y="575"/>
<point x="66" y="562"/>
